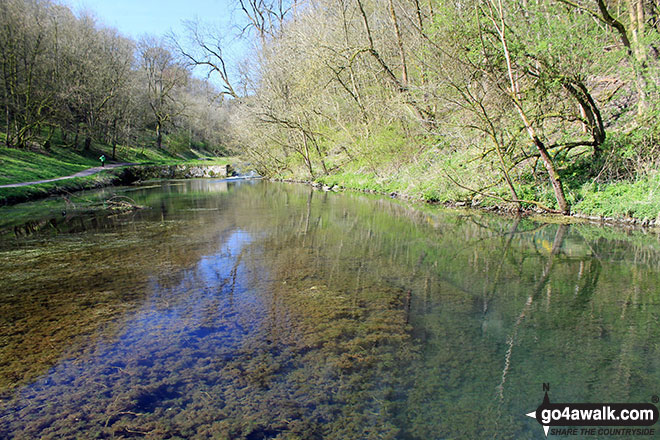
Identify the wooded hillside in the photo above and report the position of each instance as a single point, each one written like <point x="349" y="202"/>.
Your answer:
<point x="517" y="102"/>
<point x="523" y="104"/>
<point x="67" y="79"/>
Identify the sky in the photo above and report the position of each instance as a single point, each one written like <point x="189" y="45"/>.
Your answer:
<point x="135" y="18"/>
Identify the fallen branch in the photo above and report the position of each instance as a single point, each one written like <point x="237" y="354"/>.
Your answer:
<point x="532" y="202"/>
<point x="121" y="203"/>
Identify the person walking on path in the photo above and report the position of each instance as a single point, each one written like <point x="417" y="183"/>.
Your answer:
<point x="102" y="159"/>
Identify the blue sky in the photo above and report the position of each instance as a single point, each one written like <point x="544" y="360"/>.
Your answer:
<point x="134" y="18"/>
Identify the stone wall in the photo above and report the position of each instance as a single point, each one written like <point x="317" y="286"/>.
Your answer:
<point x="117" y="176"/>
<point x="148" y="172"/>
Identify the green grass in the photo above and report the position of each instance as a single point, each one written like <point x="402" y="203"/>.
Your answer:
<point x="639" y="199"/>
<point x="25" y="166"/>
<point x="32" y="192"/>
<point x="18" y="166"/>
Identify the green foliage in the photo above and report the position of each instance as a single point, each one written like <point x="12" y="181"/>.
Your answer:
<point x="25" y="166"/>
<point x="73" y="81"/>
<point x="483" y="82"/>
<point x="637" y="199"/>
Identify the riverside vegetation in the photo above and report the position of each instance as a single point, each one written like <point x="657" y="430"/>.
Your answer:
<point x="547" y="105"/>
<point x="551" y="105"/>
<point x="26" y="166"/>
<point x="73" y="90"/>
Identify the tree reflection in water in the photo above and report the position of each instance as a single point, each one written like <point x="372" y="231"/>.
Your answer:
<point x="275" y="311"/>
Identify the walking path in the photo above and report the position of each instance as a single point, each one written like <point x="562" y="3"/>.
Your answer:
<point x="83" y="173"/>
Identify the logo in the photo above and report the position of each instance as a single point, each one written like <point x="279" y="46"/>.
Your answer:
<point x="611" y="418"/>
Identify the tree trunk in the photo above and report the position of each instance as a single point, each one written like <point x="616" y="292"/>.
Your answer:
<point x="8" y="125"/>
<point x="593" y="122"/>
<point x="75" y="139"/>
<point x="305" y="155"/>
<point x="159" y="135"/>
<point x="557" y="186"/>
<point x="399" y="43"/>
<point x="318" y="150"/>
<point x="640" y="61"/>
<point x="500" y="27"/>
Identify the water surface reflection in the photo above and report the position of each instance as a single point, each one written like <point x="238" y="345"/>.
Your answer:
<point x="273" y="311"/>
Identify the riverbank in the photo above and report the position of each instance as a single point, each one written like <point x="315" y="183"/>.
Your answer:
<point x="619" y="184"/>
<point x="337" y="184"/>
<point x="121" y="175"/>
<point x="27" y="165"/>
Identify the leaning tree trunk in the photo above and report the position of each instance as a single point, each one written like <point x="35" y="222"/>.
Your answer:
<point x="557" y="186"/>
<point x="593" y="121"/>
<point x="497" y="18"/>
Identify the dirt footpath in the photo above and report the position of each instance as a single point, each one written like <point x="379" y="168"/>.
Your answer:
<point x="83" y="173"/>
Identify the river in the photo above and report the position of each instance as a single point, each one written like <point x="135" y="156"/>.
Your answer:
<point x="257" y="310"/>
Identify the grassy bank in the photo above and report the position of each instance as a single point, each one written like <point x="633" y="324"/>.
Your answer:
<point x="637" y="199"/>
<point x="23" y="165"/>
<point x="9" y="196"/>
<point x="617" y="186"/>
<point x="18" y="165"/>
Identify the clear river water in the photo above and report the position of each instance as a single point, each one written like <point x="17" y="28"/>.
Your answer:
<point x="257" y="310"/>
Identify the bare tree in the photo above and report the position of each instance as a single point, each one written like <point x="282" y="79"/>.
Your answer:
<point x="26" y="42"/>
<point x="207" y="51"/>
<point x="163" y="75"/>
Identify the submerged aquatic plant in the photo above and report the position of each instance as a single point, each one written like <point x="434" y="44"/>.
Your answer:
<point x="272" y="312"/>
